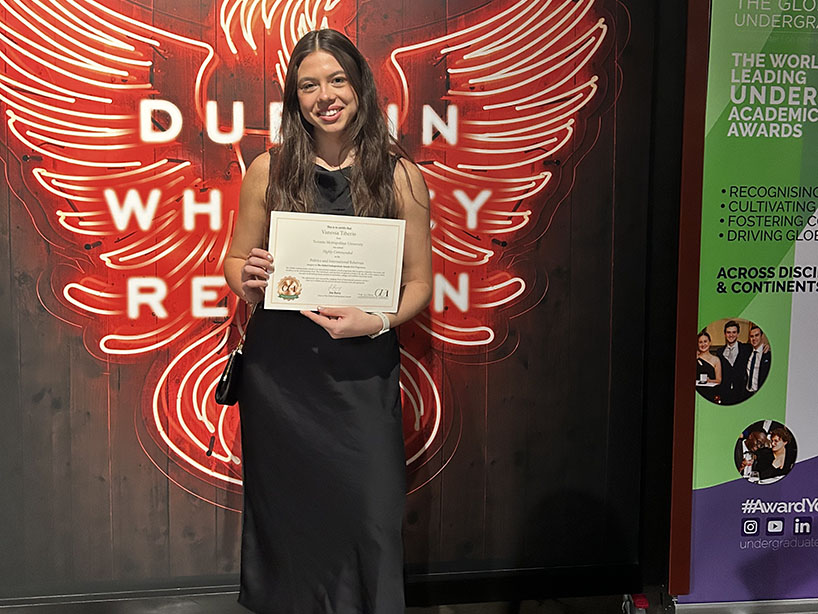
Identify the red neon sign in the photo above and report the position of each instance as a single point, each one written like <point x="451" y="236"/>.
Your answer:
<point x="138" y="206"/>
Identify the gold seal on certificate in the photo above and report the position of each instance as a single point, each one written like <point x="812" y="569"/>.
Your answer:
<point x="334" y="261"/>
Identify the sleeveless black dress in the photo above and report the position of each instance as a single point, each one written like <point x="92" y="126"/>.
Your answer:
<point x="705" y="368"/>
<point x="323" y="459"/>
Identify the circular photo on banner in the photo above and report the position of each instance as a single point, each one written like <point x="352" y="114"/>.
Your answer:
<point x="765" y="452"/>
<point x="733" y="359"/>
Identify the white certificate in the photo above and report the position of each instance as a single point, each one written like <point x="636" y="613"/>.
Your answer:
<point x="334" y="261"/>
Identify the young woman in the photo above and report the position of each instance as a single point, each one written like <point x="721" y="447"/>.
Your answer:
<point x="708" y="368"/>
<point x="783" y="452"/>
<point x="324" y="465"/>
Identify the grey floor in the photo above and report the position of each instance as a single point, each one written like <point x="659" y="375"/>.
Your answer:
<point x="226" y="604"/>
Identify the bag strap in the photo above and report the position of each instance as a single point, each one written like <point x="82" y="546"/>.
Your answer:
<point x="244" y="332"/>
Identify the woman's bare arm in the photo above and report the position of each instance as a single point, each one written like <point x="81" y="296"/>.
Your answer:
<point x="247" y="266"/>
<point x="717" y="368"/>
<point x="416" y="280"/>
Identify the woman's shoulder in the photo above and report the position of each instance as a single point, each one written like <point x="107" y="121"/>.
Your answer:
<point x="405" y="172"/>
<point x="411" y="192"/>
<point x="259" y="169"/>
<point x="261" y="162"/>
<point x="256" y="176"/>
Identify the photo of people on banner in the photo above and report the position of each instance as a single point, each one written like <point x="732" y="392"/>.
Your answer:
<point x="765" y="452"/>
<point x="733" y="359"/>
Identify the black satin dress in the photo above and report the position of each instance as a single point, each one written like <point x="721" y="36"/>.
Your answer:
<point x="323" y="459"/>
<point x="705" y="368"/>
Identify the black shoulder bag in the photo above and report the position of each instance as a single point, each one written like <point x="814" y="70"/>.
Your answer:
<point x="227" y="390"/>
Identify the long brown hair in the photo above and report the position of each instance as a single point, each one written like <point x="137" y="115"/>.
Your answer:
<point x="291" y="184"/>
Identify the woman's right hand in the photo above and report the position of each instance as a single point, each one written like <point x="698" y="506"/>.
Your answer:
<point x="254" y="274"/>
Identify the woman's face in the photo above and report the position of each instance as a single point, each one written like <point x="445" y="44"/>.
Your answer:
<point x="325" y="96"/>
<point x="704" y="343"/>
<point x="776" y="443"/>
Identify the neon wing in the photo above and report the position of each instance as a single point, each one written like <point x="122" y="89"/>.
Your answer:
<point x="516" y="84"/>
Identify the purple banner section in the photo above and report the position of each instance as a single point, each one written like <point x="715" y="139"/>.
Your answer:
<point x="753" y="542"/>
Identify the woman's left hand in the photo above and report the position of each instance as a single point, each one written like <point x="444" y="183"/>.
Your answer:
<point x="345" y="322"/>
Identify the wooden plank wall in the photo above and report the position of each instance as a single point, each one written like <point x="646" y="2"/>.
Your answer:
<point x="546" y="461"/>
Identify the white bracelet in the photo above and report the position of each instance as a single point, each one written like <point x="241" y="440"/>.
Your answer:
<point x="384" y="325"/>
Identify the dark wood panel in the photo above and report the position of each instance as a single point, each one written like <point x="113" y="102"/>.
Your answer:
<point x="91" y="457"/>
<point x="227" y="542"/>
<point x="548" y="418"/>
<point x="592" y="353"/>
<point x="44" y="392"/>
<point x="422" y="527"/>
<point x="463" y="483"/>
<point x="565" y="386"/>
<point x="193" y="547"/>
<point x="12" y="445"/>
<point x="508" y="445"/>
<point x="140" y="497"/>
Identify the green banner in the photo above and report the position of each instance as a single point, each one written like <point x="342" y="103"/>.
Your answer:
<point x="756" y="432"/>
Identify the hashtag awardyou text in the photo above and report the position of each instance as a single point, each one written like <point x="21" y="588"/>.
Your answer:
<point x="758" y="506"/>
